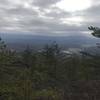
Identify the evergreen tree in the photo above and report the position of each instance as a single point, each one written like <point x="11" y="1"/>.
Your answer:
<point x="96" y="31"/>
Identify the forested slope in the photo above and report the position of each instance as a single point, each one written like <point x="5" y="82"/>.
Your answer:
<point x="48" y="75"/>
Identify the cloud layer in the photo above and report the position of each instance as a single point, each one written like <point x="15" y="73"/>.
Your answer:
<point x="43" y="17"/>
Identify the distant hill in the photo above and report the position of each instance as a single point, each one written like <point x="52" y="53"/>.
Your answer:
<point x="19" y="41"/>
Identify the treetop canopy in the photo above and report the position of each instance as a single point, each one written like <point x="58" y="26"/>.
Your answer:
<point x="96" y="31"/>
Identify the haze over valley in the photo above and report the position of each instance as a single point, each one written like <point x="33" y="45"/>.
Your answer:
<point x="20" y="41"/>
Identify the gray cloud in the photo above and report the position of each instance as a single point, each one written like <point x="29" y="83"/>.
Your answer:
<point x="91" y="16"/>
<point x="45" y="3"/>
<point x="40" y="17"/>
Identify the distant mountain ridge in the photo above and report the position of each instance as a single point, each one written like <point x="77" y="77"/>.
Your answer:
<point x="20" y="41"/>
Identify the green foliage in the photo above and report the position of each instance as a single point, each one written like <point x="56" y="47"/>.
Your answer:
<point x="2" y="45"/>
<point x="51" y="53"/>
<point x="28" y="58"/>
<point x="46" y="75"/>
<point x="96" y="31"/>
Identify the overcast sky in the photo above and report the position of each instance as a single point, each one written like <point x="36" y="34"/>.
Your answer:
<point x="49" y="17"/>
